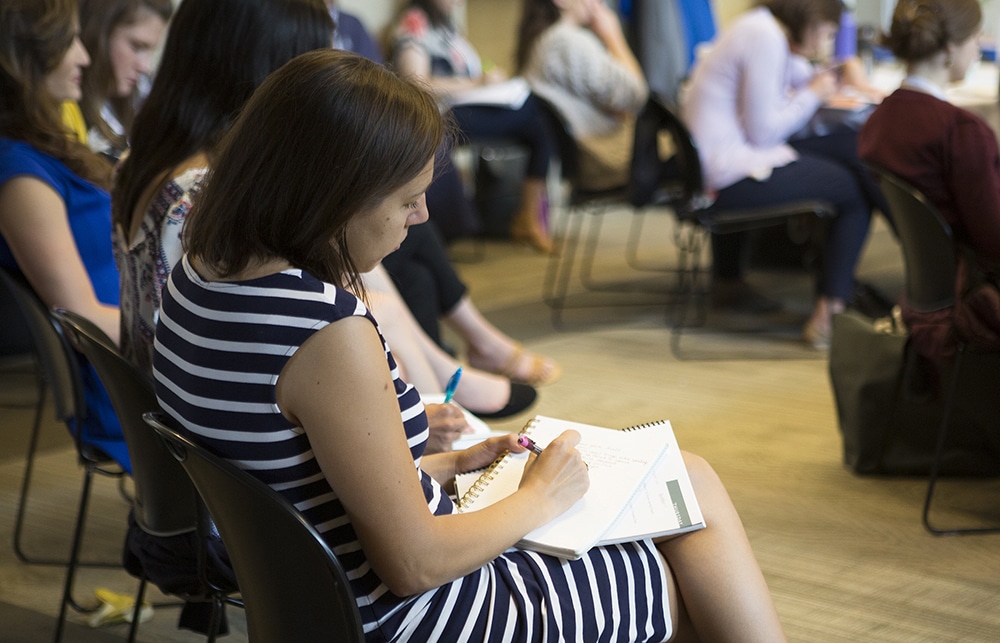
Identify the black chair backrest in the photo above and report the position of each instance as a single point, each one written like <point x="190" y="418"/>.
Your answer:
<point x="565" y="143"/>
<point x="57" y="361"/>
<point x="293" y="586"/>
<point x="647" y="165"/>
<point x="685" y="150"/>
<point x="929" y="251"/>
<point x="166" y="501"/>
<point x="15" y="336"/>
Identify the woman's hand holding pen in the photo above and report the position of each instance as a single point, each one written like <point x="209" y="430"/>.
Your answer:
<point x="484" y="453"/>
<point x="825" y="83"/>
<point x="559" y="475"/>
<point x="447" y="423"/>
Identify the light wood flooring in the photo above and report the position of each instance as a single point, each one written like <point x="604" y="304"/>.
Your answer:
<point x="845" y="556"/>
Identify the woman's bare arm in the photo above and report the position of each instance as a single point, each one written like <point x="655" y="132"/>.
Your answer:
<point x="351" y="416"/>
<point x="34" y="222"/>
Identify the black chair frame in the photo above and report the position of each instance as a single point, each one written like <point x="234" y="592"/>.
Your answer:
<point x="60" y="375"/>
<point x="930" y="255"/>
<point x="294" y="587"/>
<point x="586" y="204"/>
<point x="166" y="502"/>
<point x="698" y="217"/>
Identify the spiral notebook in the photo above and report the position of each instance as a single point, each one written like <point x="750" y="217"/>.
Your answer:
<point x="639" y="487"/>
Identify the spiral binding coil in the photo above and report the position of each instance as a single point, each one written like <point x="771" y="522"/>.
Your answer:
<point x="470" y="496"/>
<point x="488" y="474"/>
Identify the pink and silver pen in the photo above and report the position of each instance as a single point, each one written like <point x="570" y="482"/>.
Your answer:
<point x="528" y="443"/>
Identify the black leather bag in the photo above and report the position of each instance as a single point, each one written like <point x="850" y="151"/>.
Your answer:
<point x="889" y="424"/>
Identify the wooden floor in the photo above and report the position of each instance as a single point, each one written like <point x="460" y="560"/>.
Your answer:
<point x="845" y="556"/>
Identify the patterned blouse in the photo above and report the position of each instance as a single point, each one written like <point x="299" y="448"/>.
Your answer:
<point x="146" y="261"/>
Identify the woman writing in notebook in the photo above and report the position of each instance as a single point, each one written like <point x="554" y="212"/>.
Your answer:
<point x="752" y="91"/>
<point x="293" y="211"/>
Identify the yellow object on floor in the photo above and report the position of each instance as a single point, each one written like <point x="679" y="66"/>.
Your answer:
<point x="117" y="608"/>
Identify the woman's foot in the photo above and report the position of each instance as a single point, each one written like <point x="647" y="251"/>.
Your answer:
<point x="818" y="330"/>
<point x="529" y="224"/>
<point x="517" y="364"/>
<point x="531" y="233"/>
<point x="522" y="396"/>
<point x="492" y="396"/>
<point x="817" y="335"/>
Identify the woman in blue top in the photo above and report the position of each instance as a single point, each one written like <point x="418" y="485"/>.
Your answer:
<point x="55" y="212"/>
<point x="265" y="356"/>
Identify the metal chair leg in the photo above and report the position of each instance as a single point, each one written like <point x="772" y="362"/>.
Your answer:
<point x="22" y="504"/>
<point x="67" y="595"/>
<point x="29" y="467"/>
<point x="939" y="452"/>
<point x="140" y="594"/>
<point x="689" y="244"/>
<point x="560" y="268"/>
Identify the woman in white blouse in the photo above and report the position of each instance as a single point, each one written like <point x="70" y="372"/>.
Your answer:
<point x="753" y="91"/>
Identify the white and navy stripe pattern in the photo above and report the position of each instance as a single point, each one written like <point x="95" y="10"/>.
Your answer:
<point x="219" y="350"/>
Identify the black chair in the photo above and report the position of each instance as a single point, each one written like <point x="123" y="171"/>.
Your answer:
<point x="930" y="256"/>
<point x="293" y="586"/>
<point x="166" y="503"/>
<point x="582" y="204"/>
<point x="59" y="368"/>
<point x="697" y="216"/>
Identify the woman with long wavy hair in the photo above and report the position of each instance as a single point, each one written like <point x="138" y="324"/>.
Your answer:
<point x="55" y="219"/>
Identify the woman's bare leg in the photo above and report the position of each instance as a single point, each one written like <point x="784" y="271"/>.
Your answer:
<point x="490" y="349"/>
<point x="722" y="588"/>
<point x="422" y="362"/>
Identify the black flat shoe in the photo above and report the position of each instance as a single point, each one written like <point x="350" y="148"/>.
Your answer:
<point x="522" y="396"/>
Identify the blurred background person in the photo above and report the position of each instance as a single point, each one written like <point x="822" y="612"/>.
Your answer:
<point x="120" y="36"/>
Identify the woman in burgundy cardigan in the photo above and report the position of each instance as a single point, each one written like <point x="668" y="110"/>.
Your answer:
<point x="949" y="154"/>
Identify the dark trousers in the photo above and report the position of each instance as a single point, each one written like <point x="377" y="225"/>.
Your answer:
<point x="425" y="277"/>
<point x="527" y="125"/>
<point x="447" y="204"/>
<point x="827" y="169"/>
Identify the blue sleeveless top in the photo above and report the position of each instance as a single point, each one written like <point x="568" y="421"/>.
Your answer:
<point x="88" y="209"/>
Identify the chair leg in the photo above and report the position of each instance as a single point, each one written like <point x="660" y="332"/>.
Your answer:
<point x="29" y="467"/>
<point x="74" y="555"/>
<point x="560" y="268"/>
<point x="634" y="236"/>
<point x="216" y="620"/>
<point x="939" y="452"/>
<point x="590" y="251"/>
<point x="688" y="242"/>
<point x="634" y="242"/>
<point x="140" y="594"/>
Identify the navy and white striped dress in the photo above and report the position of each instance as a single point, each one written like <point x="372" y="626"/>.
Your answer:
<point x="219" y="350"/>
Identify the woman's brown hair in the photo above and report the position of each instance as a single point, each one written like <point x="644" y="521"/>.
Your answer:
<point x="34" y="38"/>
<point x="922" y="28"/>
<point x="328" y="135"/>
<point x="536" y="17"/>
<point x="801" y="15"/>
<point x="98" y="20"/>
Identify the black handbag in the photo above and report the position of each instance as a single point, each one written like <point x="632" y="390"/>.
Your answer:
<point x="889" y="423"/>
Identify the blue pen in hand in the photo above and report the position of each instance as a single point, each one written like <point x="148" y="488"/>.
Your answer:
<point x="449" y="390"/>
